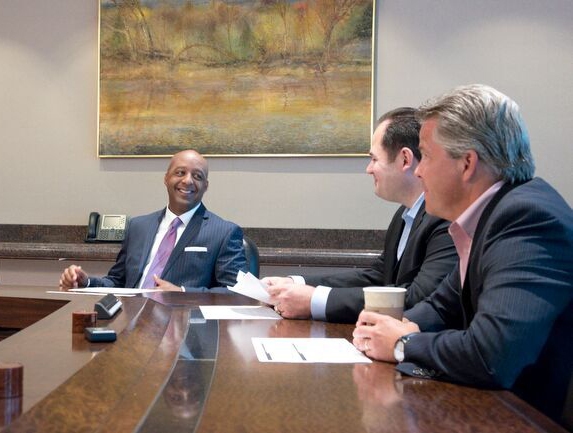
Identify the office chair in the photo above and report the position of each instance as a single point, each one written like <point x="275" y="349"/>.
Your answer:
<point x="252" y="255"/>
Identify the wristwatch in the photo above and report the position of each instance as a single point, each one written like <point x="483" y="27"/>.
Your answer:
<point x="399" y="346"/>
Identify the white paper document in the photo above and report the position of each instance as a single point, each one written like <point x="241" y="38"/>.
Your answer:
<point x="237" y="312"/>
<point x="308" y="350"/>
<point x="251" y="286"/>
<point x="62" y="292"/>
<point x="114" y="290"/>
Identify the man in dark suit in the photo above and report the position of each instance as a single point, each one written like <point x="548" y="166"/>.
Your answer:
<point x="418" y="251"/>
<point x="504" y="317"/>
<point x="208" y="252"/>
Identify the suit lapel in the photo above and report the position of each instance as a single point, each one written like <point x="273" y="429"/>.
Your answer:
<point x="391" y="243"/>
<point x="418" y="220"/>
<point x="415" y="224"/>
<point x="149" y="239"/>
<point x="473" y="263"/>
<point x="190" y="233"/>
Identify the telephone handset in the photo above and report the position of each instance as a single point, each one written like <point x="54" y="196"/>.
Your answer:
<point x="106" y="228"/>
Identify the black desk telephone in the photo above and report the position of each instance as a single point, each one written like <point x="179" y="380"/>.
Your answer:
<point x="107" y="306"/>
<point x="106" y="228"/>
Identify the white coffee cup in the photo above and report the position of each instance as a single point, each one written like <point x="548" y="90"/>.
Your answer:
<point x="385" y="300"/>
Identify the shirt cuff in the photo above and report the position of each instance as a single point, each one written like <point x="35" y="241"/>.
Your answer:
<point x="297" y="279"/>
<point x="318" y="302"/>
<point x="182" y="288"/>
<point x="88" y="284"/>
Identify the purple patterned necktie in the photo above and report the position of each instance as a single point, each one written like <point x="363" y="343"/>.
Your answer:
<point x="163" y="253"/>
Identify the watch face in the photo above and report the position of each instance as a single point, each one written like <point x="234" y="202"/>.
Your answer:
<point x="399" y="350"/>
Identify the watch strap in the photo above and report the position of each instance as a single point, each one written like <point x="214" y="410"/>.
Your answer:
<point x="406" y="338"/>
<point x="414" y="370"/>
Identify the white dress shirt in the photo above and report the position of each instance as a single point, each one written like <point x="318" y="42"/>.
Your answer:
<point x="162" y="230"/>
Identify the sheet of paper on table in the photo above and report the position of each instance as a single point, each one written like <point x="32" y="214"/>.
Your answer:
<point x="237" y="312"/>
<point x="308" y="350"/>
<point x="63" y="292"/>
<point x="117" y="291"/>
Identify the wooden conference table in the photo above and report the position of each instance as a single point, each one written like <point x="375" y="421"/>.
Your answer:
<point x="170" y="370"/>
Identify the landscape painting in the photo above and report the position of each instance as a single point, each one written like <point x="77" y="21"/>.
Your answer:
<point x="235" y="78"/>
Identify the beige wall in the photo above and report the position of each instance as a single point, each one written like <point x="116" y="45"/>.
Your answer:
<point x="50" y="174"/>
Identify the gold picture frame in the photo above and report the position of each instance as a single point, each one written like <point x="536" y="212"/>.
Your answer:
<point x="247" y="78"/>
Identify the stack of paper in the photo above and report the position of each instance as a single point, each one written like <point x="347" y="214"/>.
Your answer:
<point x="251" y="286"/>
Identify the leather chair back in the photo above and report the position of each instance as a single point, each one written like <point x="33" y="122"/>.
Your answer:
<point x="252" y="255"/>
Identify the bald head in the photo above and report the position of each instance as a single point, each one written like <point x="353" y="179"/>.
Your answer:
<point x="189" y="155"/>
<point x="186" y="180"/>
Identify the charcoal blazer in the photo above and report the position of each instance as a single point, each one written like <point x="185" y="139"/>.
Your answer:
<point x="428" y="257"/>
<point x="207" y="257"/>
<point x="510" y="324"/>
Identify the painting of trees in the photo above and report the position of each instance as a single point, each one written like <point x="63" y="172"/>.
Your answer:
<point x="264" y="77"/>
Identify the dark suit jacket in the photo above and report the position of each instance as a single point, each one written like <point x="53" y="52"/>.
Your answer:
<point x="211" y="270"/>
<point x="428" y="257"/>
<point x="511" y="325"/>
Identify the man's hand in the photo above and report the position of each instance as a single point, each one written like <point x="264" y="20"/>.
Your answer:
<point x="376" y="334"/>
<point x="73" y="277"/>
<point x="164" y="285"/>
<point x="292" y="301"/>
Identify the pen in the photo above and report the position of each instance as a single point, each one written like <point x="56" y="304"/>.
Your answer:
<point x="266" y="353"/>
<point x="299" y="352"/>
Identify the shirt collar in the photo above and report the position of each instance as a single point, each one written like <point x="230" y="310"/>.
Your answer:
<point x="413" y="211"/>
<point x="185" y="217"/>
<point x="469" y="218"/>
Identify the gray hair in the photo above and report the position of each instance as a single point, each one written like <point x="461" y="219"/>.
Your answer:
<point x="480" y="118"/>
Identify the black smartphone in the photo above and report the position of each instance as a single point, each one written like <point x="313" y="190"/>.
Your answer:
<point x="100" y="334"/>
